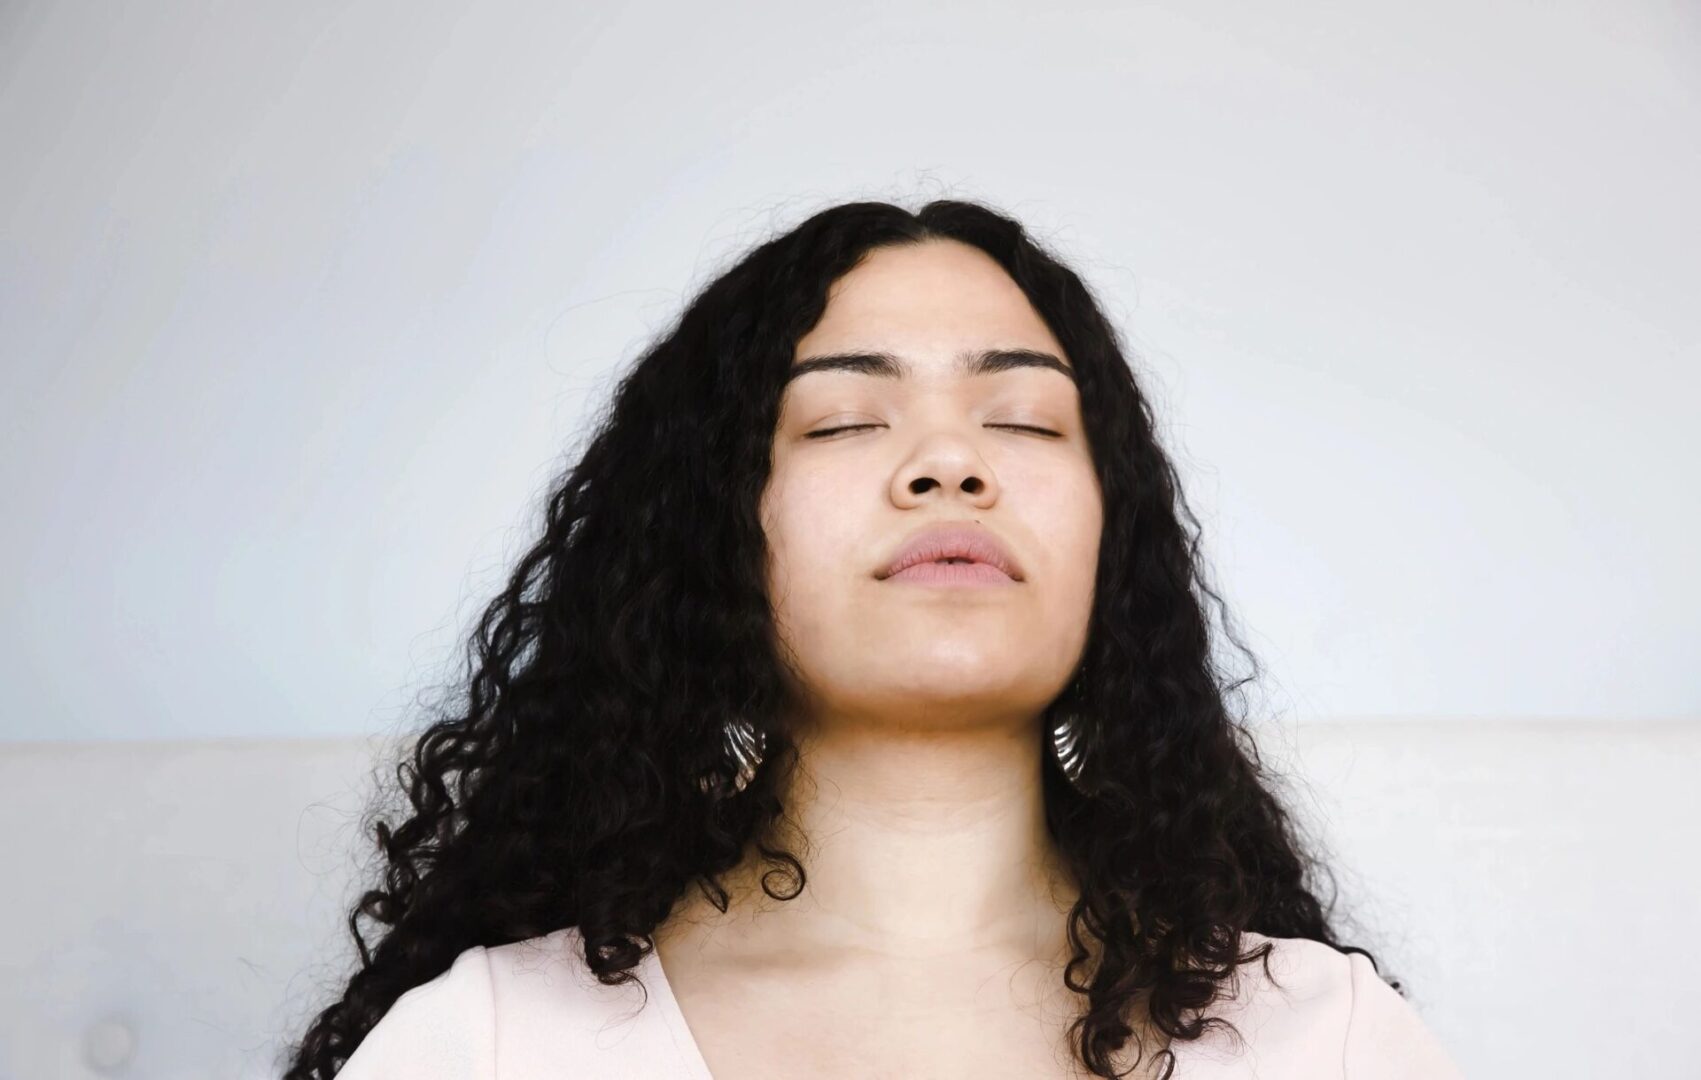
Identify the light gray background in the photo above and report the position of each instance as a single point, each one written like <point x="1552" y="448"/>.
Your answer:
<point x="304" y="302"/>
<point x="303" y="305"/>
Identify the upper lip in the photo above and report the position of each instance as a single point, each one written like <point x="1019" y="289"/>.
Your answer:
<point x="952" y="540"/>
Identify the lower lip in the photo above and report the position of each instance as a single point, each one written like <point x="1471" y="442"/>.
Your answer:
<point x="936" y="573"/>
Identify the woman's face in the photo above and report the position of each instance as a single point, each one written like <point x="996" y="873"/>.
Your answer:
<point x="837" y="507"/>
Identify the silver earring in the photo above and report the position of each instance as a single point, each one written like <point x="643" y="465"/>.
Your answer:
<point x="1066" y="744"/>
<point x="747" y="746"/>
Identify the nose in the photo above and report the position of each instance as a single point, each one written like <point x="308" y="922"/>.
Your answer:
<point x="947" y="467"/>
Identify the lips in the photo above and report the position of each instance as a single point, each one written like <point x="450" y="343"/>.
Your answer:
<point x="952" y="540"/>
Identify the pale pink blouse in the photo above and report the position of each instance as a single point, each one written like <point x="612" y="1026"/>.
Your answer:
<point x="532" y="1010"/>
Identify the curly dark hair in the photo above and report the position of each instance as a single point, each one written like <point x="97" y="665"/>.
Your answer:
<point x="590" y="768"/>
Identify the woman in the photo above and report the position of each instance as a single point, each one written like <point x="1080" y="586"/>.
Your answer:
<point x="855" y="716"/>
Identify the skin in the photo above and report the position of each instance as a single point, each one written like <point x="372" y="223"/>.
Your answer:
<point x="930" y="938"/>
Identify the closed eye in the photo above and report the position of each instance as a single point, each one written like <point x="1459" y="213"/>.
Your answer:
<point x="824" y="432"/>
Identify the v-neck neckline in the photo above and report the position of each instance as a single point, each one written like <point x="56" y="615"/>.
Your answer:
<point x="684" y="1042"/>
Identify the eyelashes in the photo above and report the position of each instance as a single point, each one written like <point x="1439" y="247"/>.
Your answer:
<point x="824" y="432"/>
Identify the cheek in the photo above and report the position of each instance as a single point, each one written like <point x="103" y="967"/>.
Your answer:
<point x="1070" y="519"/>
<point x="804" y="516"/>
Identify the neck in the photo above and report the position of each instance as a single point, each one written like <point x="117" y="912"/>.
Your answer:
<point x="914" y="843"/>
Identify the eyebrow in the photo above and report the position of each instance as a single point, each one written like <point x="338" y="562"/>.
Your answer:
<point x="886" y="365"/>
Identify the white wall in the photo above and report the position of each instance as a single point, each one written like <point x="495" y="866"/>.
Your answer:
<point x="302" y="306"/>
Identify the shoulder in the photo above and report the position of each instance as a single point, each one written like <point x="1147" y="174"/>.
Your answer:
<point x="1319" y="1012"/>
<point x="444" y="1027"/>
<point x="548" y="975"/>
<point x="532" y="1005"/>
<point x="551" y="1009"/>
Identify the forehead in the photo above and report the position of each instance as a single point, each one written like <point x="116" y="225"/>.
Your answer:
<point x="928" y="302"/>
